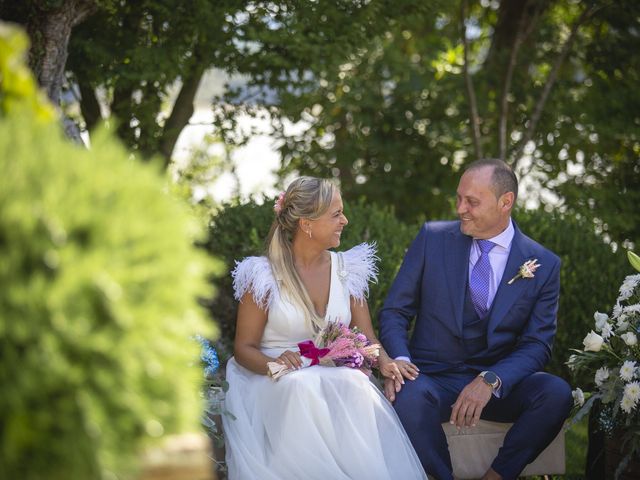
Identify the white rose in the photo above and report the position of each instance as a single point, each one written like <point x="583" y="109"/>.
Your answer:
<point x="601" y="319"/>
<point x="592" y="342"/>
<point x="578" y="397"/>
<point x="629" y="338"/>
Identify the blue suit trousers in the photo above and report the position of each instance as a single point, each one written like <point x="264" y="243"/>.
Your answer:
<point x="537" y="406"/>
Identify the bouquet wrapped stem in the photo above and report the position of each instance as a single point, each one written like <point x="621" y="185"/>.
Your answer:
<point x="336" y="345"/>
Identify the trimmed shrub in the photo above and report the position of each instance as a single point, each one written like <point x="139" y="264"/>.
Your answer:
<point x="240" y="230"/>
<point x="99" y="277"/>
<point x="589" y="278"/>
<point x="590" y="275"/>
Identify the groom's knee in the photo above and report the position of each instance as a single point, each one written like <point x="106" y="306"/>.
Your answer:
<point x="418" y="399"/>
<point x="552" y="393"/>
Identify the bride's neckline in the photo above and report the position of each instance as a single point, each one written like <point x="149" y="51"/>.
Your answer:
<point x="331" y="275"/>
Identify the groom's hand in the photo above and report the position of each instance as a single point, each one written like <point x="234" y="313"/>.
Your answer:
<point x="470" y="403"/>
<point x="391" y="387"/>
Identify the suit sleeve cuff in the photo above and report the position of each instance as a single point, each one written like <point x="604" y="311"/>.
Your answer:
<point x="402" y="357"/>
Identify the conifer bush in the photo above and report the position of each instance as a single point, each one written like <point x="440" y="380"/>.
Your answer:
<point x="98" y="305"/>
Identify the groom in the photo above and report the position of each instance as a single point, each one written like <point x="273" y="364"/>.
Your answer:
<point x="480" y="340"/>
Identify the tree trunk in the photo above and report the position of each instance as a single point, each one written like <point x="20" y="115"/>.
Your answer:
<point x="513" y="16"/>
<point x="50" y="31"/>
<point x="89" y="105"/>
<point x="182" y="110"/>
<point x="471" y="93"/>
<point x="120" y="110"/>
<point x="586" y="14"/>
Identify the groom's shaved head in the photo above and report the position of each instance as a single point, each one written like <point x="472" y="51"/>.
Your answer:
<point x="503" y="179"/>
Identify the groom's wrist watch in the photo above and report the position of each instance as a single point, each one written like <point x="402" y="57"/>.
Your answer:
<point x="490" y="379"/>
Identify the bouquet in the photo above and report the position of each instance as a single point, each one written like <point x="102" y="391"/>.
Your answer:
<point x="336" y="345"/>
<point x="612" y="354"/>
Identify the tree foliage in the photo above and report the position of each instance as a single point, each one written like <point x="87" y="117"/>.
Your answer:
<point x="391" y="97"/>
<point x="144" y="60"/>
<point x="546" y="85"/>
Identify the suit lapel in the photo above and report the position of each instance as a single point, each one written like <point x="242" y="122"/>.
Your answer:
<point x="507" y="294"/>
<point x="457" y="271"/>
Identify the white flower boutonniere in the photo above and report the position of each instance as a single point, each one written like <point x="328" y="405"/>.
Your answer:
<point x="526" y="270"/>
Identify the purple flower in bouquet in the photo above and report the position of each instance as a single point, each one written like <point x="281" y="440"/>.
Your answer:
<point x="354" y="361"/>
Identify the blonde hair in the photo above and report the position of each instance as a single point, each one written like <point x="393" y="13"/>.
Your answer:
<point x="306" y="197"/>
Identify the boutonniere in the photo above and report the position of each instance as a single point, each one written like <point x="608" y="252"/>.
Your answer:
<point x="526" y="270"/>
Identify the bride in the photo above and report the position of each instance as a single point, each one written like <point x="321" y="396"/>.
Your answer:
<point x="316" y="422"/>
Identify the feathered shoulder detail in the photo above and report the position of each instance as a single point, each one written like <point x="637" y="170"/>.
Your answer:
<point x="254" y="274"/>
<point x="359" y="268"/>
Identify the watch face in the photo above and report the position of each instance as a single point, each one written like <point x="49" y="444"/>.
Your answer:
<point x="490" y="378"/>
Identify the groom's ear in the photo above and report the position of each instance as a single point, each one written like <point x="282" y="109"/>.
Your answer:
<point x="506" y="201"/>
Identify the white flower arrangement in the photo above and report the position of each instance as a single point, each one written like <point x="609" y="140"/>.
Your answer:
<point x="611" y="351"/>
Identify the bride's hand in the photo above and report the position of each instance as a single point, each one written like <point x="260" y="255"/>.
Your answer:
<point x="398" y="370"/>
<point x="290" y="359"/>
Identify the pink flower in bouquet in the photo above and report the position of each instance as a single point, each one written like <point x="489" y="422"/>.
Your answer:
<point x="336" y="345"/>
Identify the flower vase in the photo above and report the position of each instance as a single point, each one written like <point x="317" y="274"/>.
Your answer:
<point x="614" y="453"/>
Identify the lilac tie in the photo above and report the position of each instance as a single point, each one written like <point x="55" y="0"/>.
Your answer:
<point x="480" y="277"/>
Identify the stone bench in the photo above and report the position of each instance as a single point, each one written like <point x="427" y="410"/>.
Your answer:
<point x="473" y="449"/>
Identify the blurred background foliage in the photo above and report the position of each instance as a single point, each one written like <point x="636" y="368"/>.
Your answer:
<point x="391" y="98"/>
<point x="100" y="278"/>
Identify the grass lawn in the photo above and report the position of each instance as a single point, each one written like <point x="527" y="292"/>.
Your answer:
<point x="576" y="445"/>
<point x="576" y="451"/>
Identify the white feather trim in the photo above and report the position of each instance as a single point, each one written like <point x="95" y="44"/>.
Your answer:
<point x="359" y="269"/>
<point x="254" y="274"/>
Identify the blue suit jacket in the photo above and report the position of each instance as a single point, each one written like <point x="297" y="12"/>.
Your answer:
<point x="430" y="288"/>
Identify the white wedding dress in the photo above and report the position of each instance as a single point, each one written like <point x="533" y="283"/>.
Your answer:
<point x="325" y="423"/>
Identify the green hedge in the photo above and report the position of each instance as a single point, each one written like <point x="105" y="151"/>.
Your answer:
<point x="240" y="230"/>
<point x="590" y="273"/>
<point x="99" y="278"/>
<point x="589" y="278"/>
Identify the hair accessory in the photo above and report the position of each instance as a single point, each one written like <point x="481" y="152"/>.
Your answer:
<point x="277" y="206"/>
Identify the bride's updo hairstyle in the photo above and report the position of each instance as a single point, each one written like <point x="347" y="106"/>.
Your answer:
<point x="306" y="197"/>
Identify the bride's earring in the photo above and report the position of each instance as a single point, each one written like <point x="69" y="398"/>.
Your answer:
<point x="309" y="232"/>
